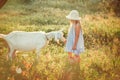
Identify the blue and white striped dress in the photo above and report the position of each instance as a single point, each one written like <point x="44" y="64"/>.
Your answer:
<point x="70" y="41"/>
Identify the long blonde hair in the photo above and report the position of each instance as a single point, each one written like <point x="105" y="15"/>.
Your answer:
<point x="76" y="22"/>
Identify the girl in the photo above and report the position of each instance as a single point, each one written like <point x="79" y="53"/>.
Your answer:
<point x="75" y="41"/>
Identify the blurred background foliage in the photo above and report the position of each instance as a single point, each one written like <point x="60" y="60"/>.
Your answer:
<point x="94" y="5"/>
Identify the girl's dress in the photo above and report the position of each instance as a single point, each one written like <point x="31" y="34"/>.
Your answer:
<point x="70" y="41"/>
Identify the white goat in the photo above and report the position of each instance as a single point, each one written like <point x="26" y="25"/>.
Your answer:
<point x="26" y="41"/>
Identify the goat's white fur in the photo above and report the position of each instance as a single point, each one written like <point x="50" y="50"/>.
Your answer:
<point x="26" y="41"/>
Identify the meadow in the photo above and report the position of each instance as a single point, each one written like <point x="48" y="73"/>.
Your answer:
<point x="100" y="61"/>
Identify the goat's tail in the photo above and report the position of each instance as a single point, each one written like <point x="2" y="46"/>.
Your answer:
<point x="2" y="36"/>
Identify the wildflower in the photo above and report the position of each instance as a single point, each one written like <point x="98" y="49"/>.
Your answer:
<point x="27" y="65"/>
<point x="18" y="70"/>
<point x="24" y="73"/>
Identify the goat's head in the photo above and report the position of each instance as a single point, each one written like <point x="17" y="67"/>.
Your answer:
<point x="57" y="35"/>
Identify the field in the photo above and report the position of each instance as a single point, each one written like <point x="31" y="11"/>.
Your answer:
<point x="100" y="61"/>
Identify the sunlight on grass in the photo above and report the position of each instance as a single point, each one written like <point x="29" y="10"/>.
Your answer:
<point x="100" y="61"/>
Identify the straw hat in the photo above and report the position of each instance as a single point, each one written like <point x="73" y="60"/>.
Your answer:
<point x="73" y="15"/>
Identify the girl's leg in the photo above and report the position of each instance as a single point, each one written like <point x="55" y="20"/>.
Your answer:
<point x="70" y="57"/>
<point x="70" y="54"/>
<point x="77" y="58"/>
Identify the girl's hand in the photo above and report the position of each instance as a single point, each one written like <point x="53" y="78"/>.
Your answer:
<point x="74" y="48"/>
<point x="65" y="41"/>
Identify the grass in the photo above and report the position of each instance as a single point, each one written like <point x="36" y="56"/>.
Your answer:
<point x="100" y="61"/>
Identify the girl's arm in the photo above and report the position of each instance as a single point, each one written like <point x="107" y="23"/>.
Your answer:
<point x="77" y="32"/>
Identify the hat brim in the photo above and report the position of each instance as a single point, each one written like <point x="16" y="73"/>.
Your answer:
<point x="70" y="18"/>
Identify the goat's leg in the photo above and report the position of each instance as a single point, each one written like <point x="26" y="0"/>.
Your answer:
<point x="37" y="53"/>
<point x="13" y="55"/>
<point x="7" y="56"/>
<point x="11" y="51"/>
